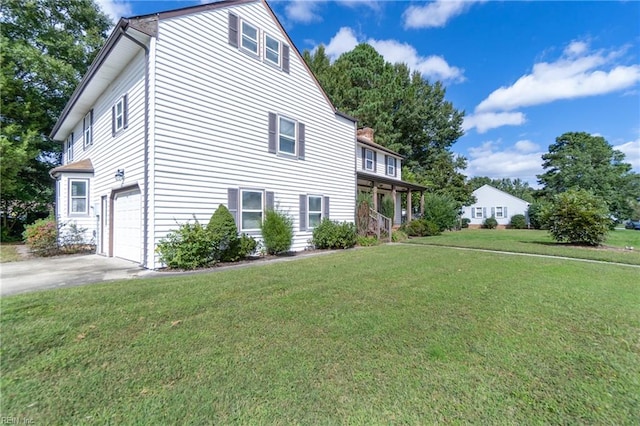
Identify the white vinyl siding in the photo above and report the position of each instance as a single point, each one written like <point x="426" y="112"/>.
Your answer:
<point x="78" y="197"/>
<point x="199" y="155"/>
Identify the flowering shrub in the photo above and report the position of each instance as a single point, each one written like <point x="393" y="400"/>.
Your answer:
<point x="42" y="237"/>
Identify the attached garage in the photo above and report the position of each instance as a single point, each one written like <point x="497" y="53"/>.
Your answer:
<point x="127" y="225"/>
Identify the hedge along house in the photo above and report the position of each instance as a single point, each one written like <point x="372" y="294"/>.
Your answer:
<point x="379" y="172"/>
<point x="492" y="202"/>
<point x="188" y="109"/>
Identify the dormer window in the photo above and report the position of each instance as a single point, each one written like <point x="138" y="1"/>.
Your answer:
<point x="249" y="38"/>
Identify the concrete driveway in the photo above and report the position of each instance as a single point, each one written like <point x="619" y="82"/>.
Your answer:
<point x="64" y="271"/>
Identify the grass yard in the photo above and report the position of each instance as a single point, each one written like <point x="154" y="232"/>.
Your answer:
<point x="9" y="253"/>
<point x="387" y="334"/>
<point x="540" y="242"/>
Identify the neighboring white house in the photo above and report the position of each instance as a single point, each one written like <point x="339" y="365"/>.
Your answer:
<point x="185" y="110"/>
<point x="379" y="171"/>
<point x="492" y="202"/>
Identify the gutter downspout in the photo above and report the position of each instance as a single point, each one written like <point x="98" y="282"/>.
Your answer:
<point x="145" y="213"/>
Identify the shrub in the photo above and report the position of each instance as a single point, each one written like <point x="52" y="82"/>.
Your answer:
<point x="277" y="232"/>
<point x="223" y="230"/>
<point x="248" y="246"/>
<point x="518" y="221"/>
<point x="578" y="217"/>
<point x="490" y="223"/>
<point x="398" y="236"/>
<point x="441" y="210"/>
<point x="421" y="228"/>
<point x="537" y="212"/>
<point x="387" y="207"/>
<point x="465" y="222"/>
<point x="189" y="247"/>
<point x="367" y="241"/>
<point x="73" y="238"/>
<point x="334" y="235"/>
<point x="364" y="203"/>
<point x="42" y="237"/>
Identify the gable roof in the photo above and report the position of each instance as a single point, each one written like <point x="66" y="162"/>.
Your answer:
<point x="500" y="191"/>
<point x="125" y="41"/>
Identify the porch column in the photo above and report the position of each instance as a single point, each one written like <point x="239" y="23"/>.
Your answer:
<point x="422" y="203"/>
<point x="375" y="197"/>
<point x="409" y="206"/>
<point x="395" y="207"/>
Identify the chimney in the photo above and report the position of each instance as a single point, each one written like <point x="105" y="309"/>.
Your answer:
<point x="366" y="133"/>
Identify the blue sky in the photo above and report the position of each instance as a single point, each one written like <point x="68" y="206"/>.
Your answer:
<point x="524" y="72"/>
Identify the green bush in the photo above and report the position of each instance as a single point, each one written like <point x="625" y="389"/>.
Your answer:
<point x="277" y="232"/>
<point x="387" y="207"/>
<point x="42" y="237"/>
<point x="537" y="213"/>
<point x="189" y="247"/>
<point x="421" y="228"/>
<point x="518" y="221"/>
<point x="490" y="223"/>
<point x="334" y="235"/>
<point x="248" y="246"/>
<point x="367" y="241"/>
<point x="441" y="210"/>
<point x="578" y="217"/>
<point x="398" y="236"/>
<point x="224" y="232"/>
<point x="465" y="222"/>
<point x="72" y="239"/>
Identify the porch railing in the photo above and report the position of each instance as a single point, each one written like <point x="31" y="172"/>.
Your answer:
<point x="380" y="225"/>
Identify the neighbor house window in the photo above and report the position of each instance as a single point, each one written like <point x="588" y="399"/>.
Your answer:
<point x="272" y="50"/>
<point x="478" y="212"/>
<point x="391" y="166"/>
<point x="499" y="213"/>
<point x="78" y="196"/>
<point x="68" y="148"/>
<point x="249" y="40"/>
<point x="287" y="136"/>
<point x="369" y="160"/>
<point x="314" y="211"/>
<point x="119" y="113"/>
<point x="251" y="210"/>
<point x="87" y="126"/>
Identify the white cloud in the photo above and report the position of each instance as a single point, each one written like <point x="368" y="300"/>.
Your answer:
<point x="578" y="73"/>
<point x="115" y="9"/>
<point x="435" y="14"/>
<point x="344" y="41"/>
<point x="631" y="151"/>
<point x="526" y="146"/>
<point x="433" y="66"/>
<point x="303" y="11"/>
<point x="490" y="159"/>
<point x="485" y="121"/>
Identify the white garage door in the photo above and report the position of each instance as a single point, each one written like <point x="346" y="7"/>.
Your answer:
<point x="127" y="226"/>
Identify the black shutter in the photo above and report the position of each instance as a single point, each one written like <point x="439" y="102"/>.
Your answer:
<point x="364" y="158"/>
<point x="272" y="132"/>
<point x="325" y="214"/>
<point x="473" y="212"/>
<point x="285" y="58"/>
<point x="126" y="111"/>
<point x="113" y="121"/>
<point x="375" y="161"/>
<point x="233" y="30"/>
<point x="301" y="140"/>
<point x="484" y="212"/>
<point x="270" y="200"/>
<point x="232" y="204"/>
<point x="303" y="212"/>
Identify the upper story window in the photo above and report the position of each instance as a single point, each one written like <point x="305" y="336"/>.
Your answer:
<point x="78" y="196"/>
<point x="271" y="50"/>
<point x="369" y="160"/>
<point x="68" y="149"/>
<point x="251" y="210"/>
<point x="249" y="39"/>
<point x="391" y="166"/>
<point x="87" y="127"/>
<point x="119" y="115"/>
<point x="286" y="136"/>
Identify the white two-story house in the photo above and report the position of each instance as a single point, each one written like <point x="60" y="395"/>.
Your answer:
<point x="188" y="109"/>
<point x="379" y="171"/>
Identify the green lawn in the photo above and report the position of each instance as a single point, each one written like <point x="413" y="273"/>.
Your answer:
<point x="388" y="334"/>
<point x="8" y="253"/>
<point x="540" y="242"/>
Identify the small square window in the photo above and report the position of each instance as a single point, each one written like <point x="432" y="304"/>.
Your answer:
<point x="287" y="136"/>
<point x="315" y="211"/>
<point x="369" y="160"/>
<point x="249" y="38"/>
<point x="252" y="209"/>
<point x="272" y="50"/>
<point x="78" y="197"/>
